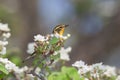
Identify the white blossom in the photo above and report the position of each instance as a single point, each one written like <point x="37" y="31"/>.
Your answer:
<point x="95" y="71"/>
<point x="95" y="75"/>
<point x="3" y="50"/>
<point x="5" y="60"/>
<point x="31" y="48"/>
<point x="4" y="27"/>
<point x="55" y="53"/>
<point x="118" y="78"/>
<point x="79" y="64"/>
<point x="110" y="71"/>
<point x="66" y="37"/>
<point x="60" y="36"/>
<point x="83" y="70"/>
<point x="39" y="38"/>
<point x="11" y="66"/>
<point x="37" y="70"/>
<point x="2" y="47"/>
<point x="64" y="53"/>
<point x="64" y="56"/>
<point x="97" y="64"/>
<point x="82" y="67"/>
<point x="6" y="35"/>
<point x="4" y="43"/>
<point x="86" y="79"/>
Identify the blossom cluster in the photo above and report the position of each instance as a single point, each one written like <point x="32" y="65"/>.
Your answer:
<point x="19" y="72"/>
<point x="4" y="62"/>
<point x="52" y="44"/>
<point x="4" y="35"/>
<point x="48" y="50"/>
<point x="12" y="67"/>
<point x="96" y="71"/>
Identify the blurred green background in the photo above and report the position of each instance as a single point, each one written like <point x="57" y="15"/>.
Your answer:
<point x="94" y="26"/>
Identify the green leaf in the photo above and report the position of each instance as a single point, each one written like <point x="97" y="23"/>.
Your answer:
<point x="57" y="48"/>
<point x="58" y="76"/>
<point x="3" y="69"/>
<point x="53" y="76"/>
<point x="53" y="40"/>
<point x="55" y="57"/>
<point x="2" y="75"/>
<point x="62" y="76"/>
<point x="113" y="78"/>
<point x="66" y="73"/>
<point x="16" y="60"/>
<point x="71" y="72"/>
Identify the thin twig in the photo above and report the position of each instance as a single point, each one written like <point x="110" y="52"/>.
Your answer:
<point x="34" y="74"/>
<point x="38" y="63"/>
<point x="16" y="76"/>
<point x="33" y="70"/>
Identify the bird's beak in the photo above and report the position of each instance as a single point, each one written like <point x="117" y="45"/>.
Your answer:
<point x="66" y="25"/>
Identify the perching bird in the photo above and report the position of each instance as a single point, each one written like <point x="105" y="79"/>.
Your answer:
<point x="59" y="29"/>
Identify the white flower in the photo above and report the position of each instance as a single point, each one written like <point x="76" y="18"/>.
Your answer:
<point x="64" y="53"/>
<point x="60" y="36"/>
<point x="4" y="43"/>
<point x="5" y="60"/>
<point x="6" y="35"/>
<point x="95" y="74"/>
<point x="55" y="53"/>
<point x="83" y="70"/>
<point x="79" y="64"/>
<point x="4" y="27"/>
<point x="118" y="78"/>
<point x="82" y="67"/>
<point x="99" y="66"/>
<point x="66" y="37"/>
<point x="110" y="71"/>
<point x="37" y="70"/>
<point x="95" y="70"/>
<point x="3" y="51"/>
<point x="39" y="38"/>
<point x="64" y="56"/>
<point x="86" y="79"/>
<point x="12" y="67"/>
<point x="2" y="47"/>
<point x="31" y="48"/>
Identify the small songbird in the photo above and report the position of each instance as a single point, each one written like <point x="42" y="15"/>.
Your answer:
<point x="59" y="29"/>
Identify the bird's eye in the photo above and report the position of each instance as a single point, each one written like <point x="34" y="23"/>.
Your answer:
<point x="60" y="27"/>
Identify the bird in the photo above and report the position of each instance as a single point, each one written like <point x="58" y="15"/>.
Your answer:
<point x="59" y="29"/>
